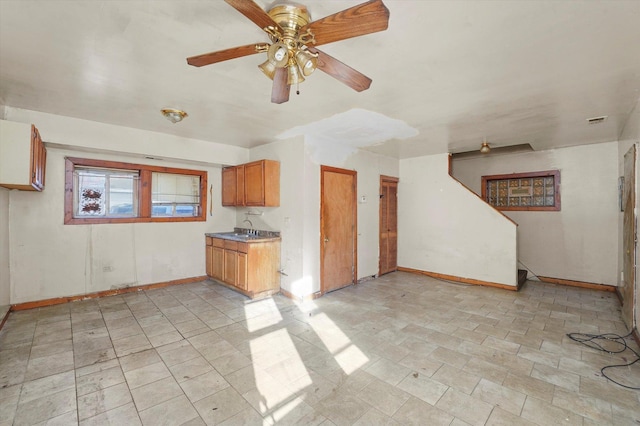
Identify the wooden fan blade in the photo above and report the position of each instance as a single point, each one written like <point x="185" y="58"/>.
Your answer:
<point x="366" y="18"/>
<point x="344" y="73"/>
<point x="222" y="55"/>
<point x="280" y="91"/>
<point x="254" y="12"/>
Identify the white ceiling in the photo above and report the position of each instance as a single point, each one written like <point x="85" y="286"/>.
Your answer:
<point x="512" y="72"/>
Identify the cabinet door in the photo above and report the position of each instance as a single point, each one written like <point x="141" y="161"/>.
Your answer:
<point x="240" y="186"/>
<point x="38" y="160"/>
<point x="209" y="260"/>
<point x="217" y="263"/>
<point x="254" y="183"/>
<point x="229" y="186"/>
<point x="241" y="278"/>
<point x="230" y="266"/>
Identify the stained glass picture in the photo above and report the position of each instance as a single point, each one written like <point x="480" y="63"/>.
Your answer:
<point x="523" y="191"/>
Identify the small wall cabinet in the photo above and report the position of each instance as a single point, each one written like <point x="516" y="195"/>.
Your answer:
<point x="250" y="268"/>
<point x="255" y="184"/>
<point x="23" y="157"/>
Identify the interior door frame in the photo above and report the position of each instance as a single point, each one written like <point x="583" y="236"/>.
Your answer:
<point x="383" y="179"/>
<point x="628" y="292"/>
<point x="354" y="174"/>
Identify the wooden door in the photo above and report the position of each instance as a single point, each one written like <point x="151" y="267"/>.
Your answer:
<point x="338" y="228"/>
<point x="388" y="224"/>
<point x="628" y="290"/>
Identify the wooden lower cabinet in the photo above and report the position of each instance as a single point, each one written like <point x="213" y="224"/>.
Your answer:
<point x="251" y="268"/>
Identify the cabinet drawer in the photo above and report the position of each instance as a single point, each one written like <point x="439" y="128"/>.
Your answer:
<point x="230" y="245"/>
<point x="217" y="242"/>
<point x="209" y="242"/>
<point x="243" y="247"/>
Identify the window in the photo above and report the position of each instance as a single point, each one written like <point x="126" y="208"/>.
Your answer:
<point x="98" y="191"/>
<point x="537" y="191"/>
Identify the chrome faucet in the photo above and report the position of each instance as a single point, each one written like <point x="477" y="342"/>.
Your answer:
<point x="251" y="231"/>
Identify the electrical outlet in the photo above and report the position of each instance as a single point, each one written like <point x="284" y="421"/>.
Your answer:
<point x="108" y="268"/>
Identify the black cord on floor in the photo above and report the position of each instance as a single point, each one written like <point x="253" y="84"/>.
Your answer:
<point x="591" y="340"/>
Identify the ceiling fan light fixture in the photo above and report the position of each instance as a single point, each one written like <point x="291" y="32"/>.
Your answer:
<point x="278" y="54"/>
<point x="485" y="148"/>
<point x="307" y="62"/>
<point x="268" y="68"/>
<point x="174" y="115"/>
<point x="293" y="75"/>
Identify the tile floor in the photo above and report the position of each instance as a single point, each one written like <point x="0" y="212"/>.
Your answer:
<point x="400" y="349"/>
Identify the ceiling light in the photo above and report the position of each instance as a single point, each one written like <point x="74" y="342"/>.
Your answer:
<point x="268" y="68"/>
<point x="485" y="148"/>
<point x="307" y="62"/>
<point x="173" y="115"/>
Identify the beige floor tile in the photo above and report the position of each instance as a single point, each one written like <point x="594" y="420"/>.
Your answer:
<point x="342" y="408"/>
<point x="145" y="375"/>
<point x="500" y="417"/>
<point x="417" y="412"/>
<point x="556" y="377"/>
<point x="190" y="369"/>
<point x="423" y="387"/>
<point x="221" y="406"/>
<point x="45" y="407"/>
<point x="530" y="386"/>
<point x="384" y="397"/>
<point x="374" y="417"/>
<point x="499" y="396"/>
<point x="204" y="385"/>
<point x="105" y="399"/>
<point x="388" y="371"/>
<point x="131" y="344"/>
<point x="542" y="413"/>
<point x="123" y="415"/>
<point x="348" y="357"/>
<point x="457" y="379"/>
<point x="470" y="409"/>
<point x="139" y="359"/>
<point x="92" y="381"/>
<point x="591" y="408"/>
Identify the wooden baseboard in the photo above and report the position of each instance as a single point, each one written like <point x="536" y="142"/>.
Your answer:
<point x="60" y="300"/>
<point x="458" y="279"/>
<point x="4" y="319"/>
<point x="298" y="298"/>
<point x="572" y="283"/>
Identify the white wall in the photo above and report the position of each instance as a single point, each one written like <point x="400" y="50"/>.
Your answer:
<point x="4" y="247"/>
<point x="48" y="259"/>
<point x="580" y="242"/>
<point x="630" y="135"/>
<point x="298" y="217"/>
<point x="445" y="228"/>
<point x="91" y="136"/>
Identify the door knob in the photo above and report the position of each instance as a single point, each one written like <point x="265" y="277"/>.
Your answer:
<point x="326" y="240"/>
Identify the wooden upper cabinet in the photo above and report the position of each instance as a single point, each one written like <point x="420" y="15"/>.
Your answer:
<point x="253" y="184"/>
<point x="23" y="157"/>
<point x="262" y="183"/>
<point x="229" y="186"/>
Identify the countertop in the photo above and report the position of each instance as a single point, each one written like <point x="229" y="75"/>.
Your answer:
<point x="244" y="235"/>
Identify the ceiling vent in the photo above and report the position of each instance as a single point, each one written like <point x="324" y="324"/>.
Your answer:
<point x="597" y="120"/>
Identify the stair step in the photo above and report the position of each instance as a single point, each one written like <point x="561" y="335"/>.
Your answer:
<point x="522" y="277"/>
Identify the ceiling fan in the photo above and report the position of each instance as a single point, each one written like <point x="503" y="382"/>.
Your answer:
<point x="292" y="54"/>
